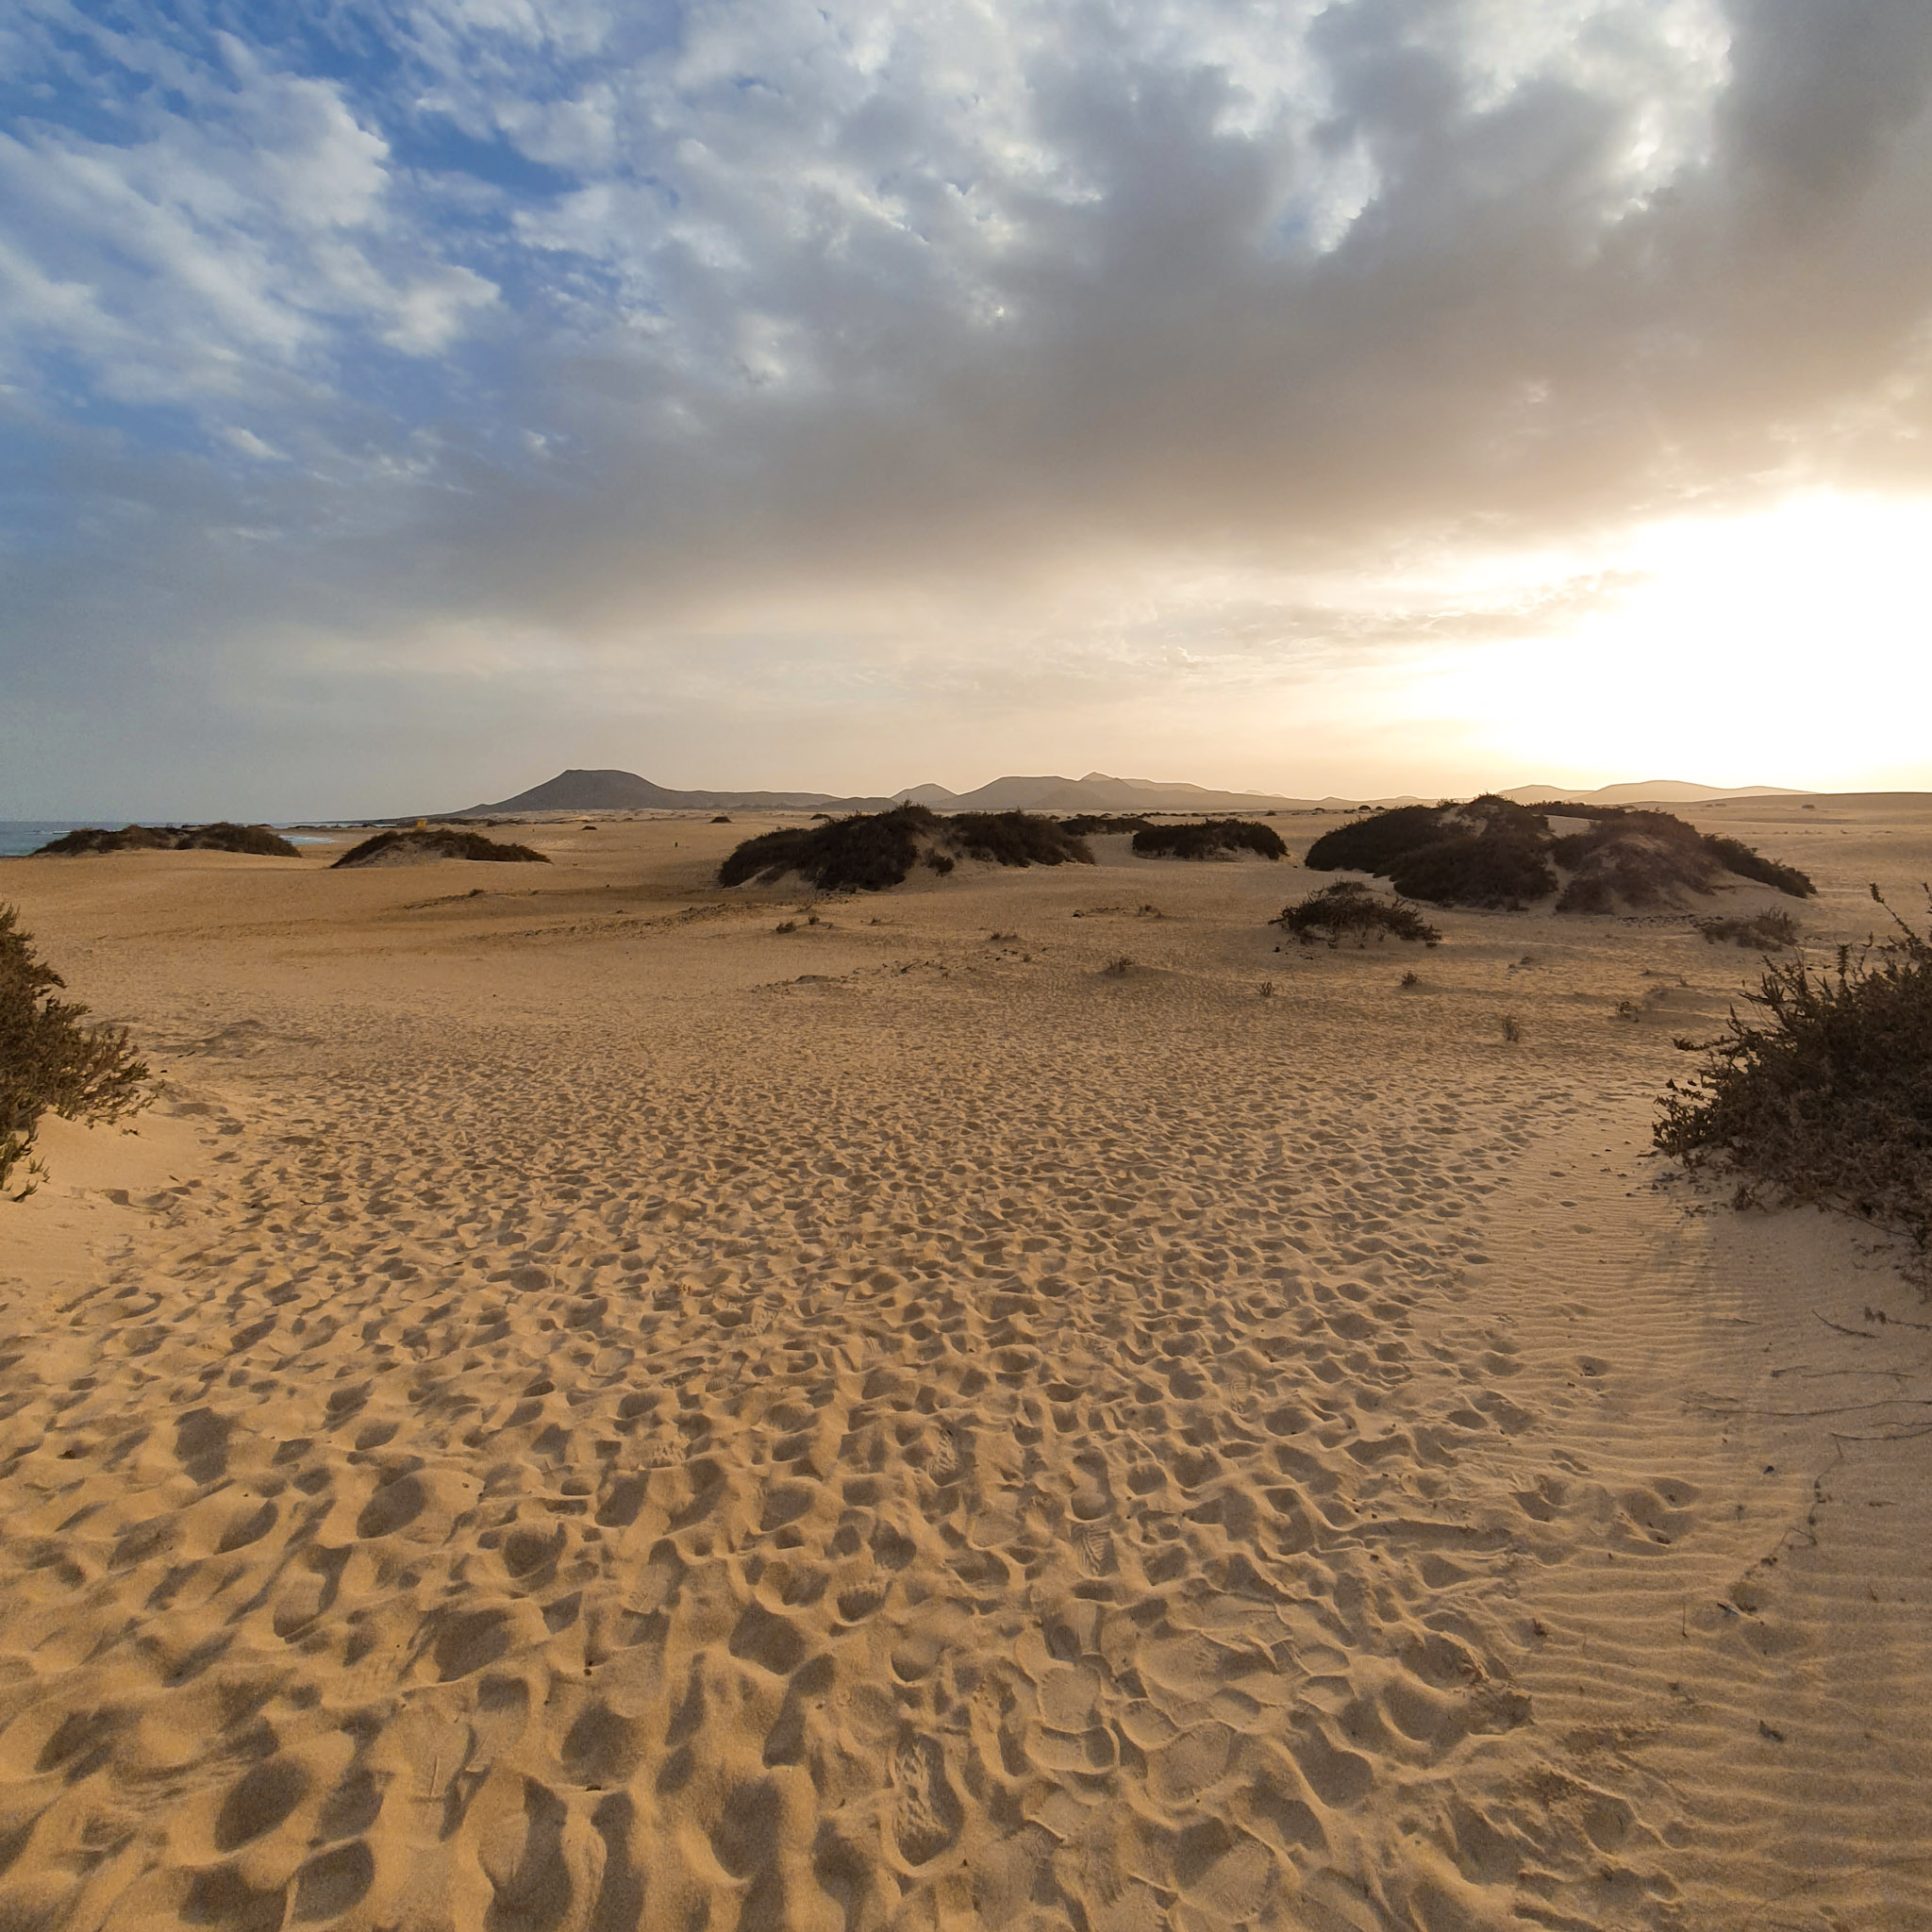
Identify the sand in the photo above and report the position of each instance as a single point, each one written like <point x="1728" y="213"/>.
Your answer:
<point x="577" y="1410"/>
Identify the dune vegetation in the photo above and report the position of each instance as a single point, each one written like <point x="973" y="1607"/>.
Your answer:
<point x="1347" y="910"/>
<point x="259" y="842"/>
<point x="1823" y="1092"/>
<point x="870" y="852"/>
<point x="1495" y="853"/>
<point x="50" y="1061"/>
<point x="1209" y="838"/>
<point x="435" y="841"/>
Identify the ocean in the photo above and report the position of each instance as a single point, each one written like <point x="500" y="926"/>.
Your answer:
<point x="18" y="836"/>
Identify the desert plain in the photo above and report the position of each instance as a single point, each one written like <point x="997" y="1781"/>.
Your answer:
<point x="578" y="1408"/>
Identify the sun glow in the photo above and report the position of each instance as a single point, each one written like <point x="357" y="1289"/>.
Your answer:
<point x="1788" y="647"/>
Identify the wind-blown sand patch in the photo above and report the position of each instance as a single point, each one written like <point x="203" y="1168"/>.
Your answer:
<point x="611" y="1437"/>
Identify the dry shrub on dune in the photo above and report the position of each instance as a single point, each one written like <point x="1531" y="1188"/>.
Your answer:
<point x="260" y="842"/>
<point x="1208" y="838"/>
<point x="1825" y="1093"/>
<point x="1347" y="910"/>
<point x="49" y="1061"/>
<point x="870" y="852"/>
<point x="440" y="842"/>
<point x="1495" y="853"/>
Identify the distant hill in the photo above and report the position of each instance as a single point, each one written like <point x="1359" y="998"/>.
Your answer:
<point x="1654" y="791"/>
<point x="626" y="791"/>
<point x="576" y="791"/>
<point x="1098" y="792"/>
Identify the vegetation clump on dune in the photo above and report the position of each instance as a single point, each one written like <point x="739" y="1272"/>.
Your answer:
<point x="871" y="851"/>
<point x="258" y="840"/>
<point x="49" y="1061"/>
<point x="1490" y="852"/>
<point x="1087" y="823"/>
<point x="1494" y="853"/>
<point x="1209" y="837"/>
<point x="1764" y="930"/>
<point x="1338" y="911"/>
<point x="1826" y="1094"/>
<point x="440" y="842"/>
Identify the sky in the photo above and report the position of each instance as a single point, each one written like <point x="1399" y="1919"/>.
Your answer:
<point x="400" y="402"/>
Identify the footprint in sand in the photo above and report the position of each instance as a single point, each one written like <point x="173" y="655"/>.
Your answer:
<point x="925" y="1811"/>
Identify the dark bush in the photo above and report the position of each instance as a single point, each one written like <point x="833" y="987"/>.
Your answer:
<point x="1823" y="1093"/>
<point x="1341" y="909"/>
<point x="871" y="851"/>
<point x="1013" y="838"/>
<point x="49" y="1061"/>
<point x="1748" y="864"/>
<point x="1084" y="825"/>
<point x="220" y="837"/>
<point x="1210" y="836"/>
<point x="438" y="841"/>
<point x="1765" y="930"/>
<point x="864" y="853"/>
<point x="723" y="818"/>
<point x="1489" y="852"/>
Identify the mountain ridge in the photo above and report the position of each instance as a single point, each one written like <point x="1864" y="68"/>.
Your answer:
<point x="578" y="790"/>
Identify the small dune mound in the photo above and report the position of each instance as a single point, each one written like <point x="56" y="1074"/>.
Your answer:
<point x="871" y="851"/>
<point x="441" y="841"/>
<point x="1348" y="909"/>
<point x="1209" y="838"/>
<point x="1495" y="853"/>
<point x="258" y="840"/>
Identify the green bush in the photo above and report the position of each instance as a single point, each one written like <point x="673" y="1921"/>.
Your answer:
<point x="259" y="841"/>
<point x="1348" y="908"/>
<point x="1824" y="1091"/>
<point x="1207" y="837"/>
<point x="438" y="841"/>
<point x="49" y="1061"/>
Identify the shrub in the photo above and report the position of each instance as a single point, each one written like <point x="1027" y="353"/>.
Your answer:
<point x="1765" y="930"/>
<point x="1084" y="824"/>
<point x="1210" y="836"/>
<point x="1348" y="907"/>
<point x="1824" y="1091"/>
<point x="871" y="851"/>
<point x="49" y="1061"/>
<point x="1013" y="838"/>
<point x="723" y="818"/>
<point x="1490" y="851"/>
<point x="1748" y="864"/>
<point x="440" y="842"/>
<point x="221" y="836"/>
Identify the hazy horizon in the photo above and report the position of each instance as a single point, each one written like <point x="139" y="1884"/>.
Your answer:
<point x="1386" y="396"/>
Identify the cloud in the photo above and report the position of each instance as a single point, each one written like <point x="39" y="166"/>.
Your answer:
<point x="915" y="339"/>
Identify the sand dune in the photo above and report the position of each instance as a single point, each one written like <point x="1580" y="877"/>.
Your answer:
<point x="581" y="1410"/>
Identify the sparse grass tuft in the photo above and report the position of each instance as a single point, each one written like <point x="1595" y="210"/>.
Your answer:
<point x="1824" y="1092"/>
<point x="49" y="1061"/>
<point x="1765" y="931"/>
<point x="1512" y="1029"/>
<point x="1345" y="909"/>
<point x="1119" y="967"/>
<point x="1207" y="837"/>
<point x="1411" y="978"/>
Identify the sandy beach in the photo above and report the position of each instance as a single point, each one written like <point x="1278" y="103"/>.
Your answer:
<point x="579" y="1409"/>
